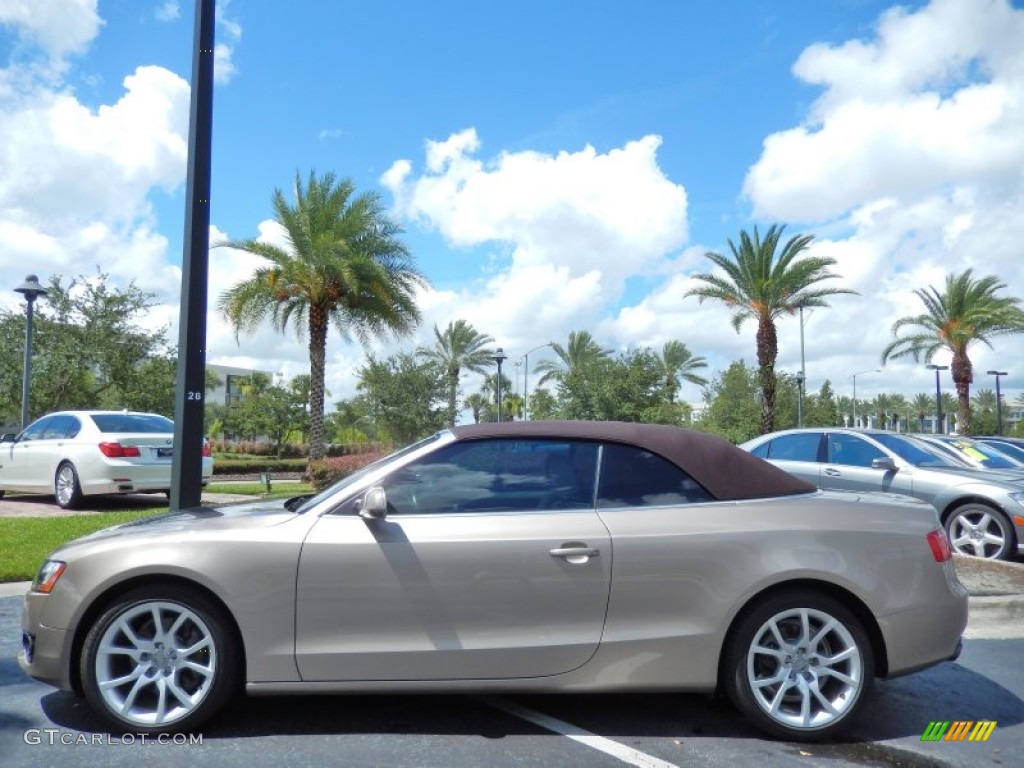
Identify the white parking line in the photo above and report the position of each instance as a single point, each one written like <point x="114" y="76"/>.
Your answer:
<point x="592" y="740"/>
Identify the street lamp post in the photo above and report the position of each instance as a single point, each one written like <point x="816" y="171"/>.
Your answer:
<point x="940" y="427"/>
<point x="999" y="402"/>
<point x="526" y="381"/>
<point x="31" y="290"/>
<point x="854" y="377"/>
<point x="499" y="357"/>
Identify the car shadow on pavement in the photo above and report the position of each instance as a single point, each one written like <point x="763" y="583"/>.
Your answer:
<point x="896" y="709"/>
<point x="29" y="505"/>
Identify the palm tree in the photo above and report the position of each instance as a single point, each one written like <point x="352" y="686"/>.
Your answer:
<point x="923" y="404"/>
<point x="459" y="346"/>
<point x="677" y="362"/>
<point x="477" y="403"/>
<point x="580" y="351"/>
<point x="761" y="285"/>
<point x="343" y="264"/>
<point x="967" y="312"/>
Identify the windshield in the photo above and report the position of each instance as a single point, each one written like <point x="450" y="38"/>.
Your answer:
<point x="914" y="452"/>
<point x="985" y="455"/>
<point x="359" y="474"/>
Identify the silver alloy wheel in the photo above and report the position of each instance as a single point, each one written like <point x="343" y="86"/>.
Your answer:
<point x="155" y="664"/>
<point x="67" y="484"/>
<point x="804" y="668"/>
<point x="978" y="530"/>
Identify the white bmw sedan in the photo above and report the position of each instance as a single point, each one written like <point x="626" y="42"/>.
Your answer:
<point x="72" y="454"/>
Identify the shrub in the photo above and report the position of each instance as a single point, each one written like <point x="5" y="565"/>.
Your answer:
<point x="325" y="472"/>
<point x="223" y="466"/>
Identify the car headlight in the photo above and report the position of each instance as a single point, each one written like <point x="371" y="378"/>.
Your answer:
<point x="46" y="578"/>
<point x="1018" y="497"/>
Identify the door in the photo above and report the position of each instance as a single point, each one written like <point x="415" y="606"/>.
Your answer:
<point x="24" y="460"/>
<point x="490" y="563"/>
<point x="849" y="467"/>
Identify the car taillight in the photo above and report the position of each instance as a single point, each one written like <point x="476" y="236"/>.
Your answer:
<point x="941" y="550"/>
<point x="207" y="450"/>
<point x="118" y="451"/>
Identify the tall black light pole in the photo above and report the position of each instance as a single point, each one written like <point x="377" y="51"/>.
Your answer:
<point x="940" y="425"/>
<point x="499" y="358"/>
<point x="190" y="388"/>
<point x="31" y="290"/>
<point x="999" y="402"/>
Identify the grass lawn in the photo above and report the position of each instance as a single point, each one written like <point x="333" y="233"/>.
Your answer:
<point x="26" y="541"/>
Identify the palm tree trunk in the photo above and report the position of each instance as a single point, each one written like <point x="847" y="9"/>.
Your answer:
<point x="317" y="365"/>
<point x="963" y="375"/>
<point x="767" y="352"/>
<point x="453" y="393"/>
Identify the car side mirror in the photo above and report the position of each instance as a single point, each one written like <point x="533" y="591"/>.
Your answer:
<point x="8" y="437"/>
<point x="884" y="462"/>
<point x="374" y="504"/>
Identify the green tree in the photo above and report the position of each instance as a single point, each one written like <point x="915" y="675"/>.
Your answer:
<point x="543" y="405"/>
<point x="459" y="347"/>
<point x="580" y="352"/>
<point x="266" y="410"/>
<point x="822" y="409"/>
<point x="761" y="285"/>
<point x="967" y="312"/>
<point x="678" y="363"/>
<point x="344" y="264"/>
<point x="628" y="388"/>
<point x="983" y="412"/>
<point x="408" y="397"/>
<point x="91" y="349"/>
<point x="477" y="403"/>
<point x="923" y="405"/>
<point x="733" y="404"/>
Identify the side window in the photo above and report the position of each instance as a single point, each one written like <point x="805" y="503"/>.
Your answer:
<point x="851" y="450"/>
<point x="501" y="475"/>
<point x="35" y="431"/>
<point x="761" y="451"/>
<point x="631" y="477"/>
<point x="61" y="428"/>
<point x="801" y="446"/>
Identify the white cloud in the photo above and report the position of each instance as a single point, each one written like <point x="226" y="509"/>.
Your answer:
<point x="936" y="99"/>
<point x="60" y="27"/>
<point x="224" y="67"/>
<point x="168" y="11"/>
<point x="613" y="212"/>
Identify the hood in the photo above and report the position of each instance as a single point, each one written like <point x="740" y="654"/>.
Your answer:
<point x="971" y="474"/>
<point x="182" y="523"/>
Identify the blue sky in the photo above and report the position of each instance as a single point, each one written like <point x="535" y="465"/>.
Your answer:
<point x="556" y="165"/>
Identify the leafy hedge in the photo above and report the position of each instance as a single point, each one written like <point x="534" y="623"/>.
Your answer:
<point x="258" y="464"/>
<point x="328" y="471"/>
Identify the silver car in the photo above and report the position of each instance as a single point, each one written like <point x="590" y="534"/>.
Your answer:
<point x="982" y="509"/>
<point x="509" y="558"/>
<point x="973" y="453"/>
<point x="72" y="454"/>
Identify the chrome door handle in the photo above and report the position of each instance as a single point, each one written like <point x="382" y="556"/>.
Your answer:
<point x="833" y="472"/>
<point x="575" y="555"/>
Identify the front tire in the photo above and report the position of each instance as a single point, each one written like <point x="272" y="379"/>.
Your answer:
<point x="66" y="487"/>
<point x="160" y="660"/>
<point x="799" y="666"/>
<point x="979" y="530"/>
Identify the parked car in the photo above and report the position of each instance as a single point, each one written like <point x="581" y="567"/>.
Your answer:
<point x="513" y="557"/>
<point x="73" y="454"/>
<point x="982" y="510"/>
<point x="1011" y="446"/>
<point x="973" y="453"/>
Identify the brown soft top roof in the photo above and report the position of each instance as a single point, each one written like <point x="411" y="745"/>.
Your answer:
<point x="725" y="471"/>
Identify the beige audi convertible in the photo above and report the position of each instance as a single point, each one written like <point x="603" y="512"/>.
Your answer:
<point x="511" y="558"/>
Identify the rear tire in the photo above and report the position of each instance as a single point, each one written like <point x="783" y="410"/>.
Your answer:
<point x="66" y="487"/>
<point x="162" y="659"/>
<point x="799" y="665"/>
